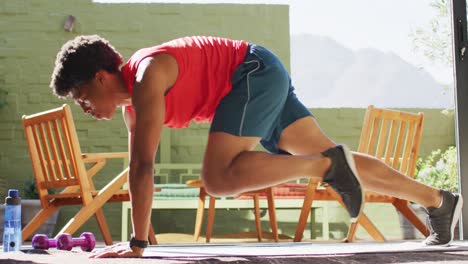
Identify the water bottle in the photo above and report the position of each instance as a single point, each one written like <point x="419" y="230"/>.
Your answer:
<point x="12" y="230"/>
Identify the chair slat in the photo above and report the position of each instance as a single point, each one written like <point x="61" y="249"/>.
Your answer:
<point x="408" y="148"/>
<point x="401" y="138"/>
<point x="37" y="141"/>
<point x="417" y="143"/>
<point x="382" y="140"/>
<point x="366" y="127"/>
<point x="57" y="161"/>
<point x="68" y="145"/>
<point x="62" y="150"/>
<point x="47" y="152"/>
<point x="390" y="149"/>
<point x="373" y="136"/>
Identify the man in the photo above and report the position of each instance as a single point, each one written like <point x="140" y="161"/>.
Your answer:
<point x="246" y="93"/>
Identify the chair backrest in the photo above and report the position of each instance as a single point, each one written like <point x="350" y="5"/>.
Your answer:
<point x="54" y="150"/>
<point x="393" y="137"/>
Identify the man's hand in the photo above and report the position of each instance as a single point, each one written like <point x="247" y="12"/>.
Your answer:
<point x="120" y="250"/>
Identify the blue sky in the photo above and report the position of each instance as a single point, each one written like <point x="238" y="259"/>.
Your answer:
<point x="381" y="24"/>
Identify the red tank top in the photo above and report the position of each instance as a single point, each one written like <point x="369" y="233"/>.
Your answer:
<point x="206" y="66"/>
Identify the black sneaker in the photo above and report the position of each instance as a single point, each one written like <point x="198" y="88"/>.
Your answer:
<point x="441" y="221"/>
<point x="343" y="178"/>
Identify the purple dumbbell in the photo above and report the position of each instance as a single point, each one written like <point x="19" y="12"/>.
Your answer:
<point x="86" y="241"/>
<point x="41" y="241"/>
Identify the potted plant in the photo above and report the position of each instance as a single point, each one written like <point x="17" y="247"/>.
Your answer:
<point x="31" y="205"/>
<point x="438" y="170"/>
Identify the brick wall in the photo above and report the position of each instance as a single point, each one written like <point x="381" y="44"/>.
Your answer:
<point x="31" y="34"/>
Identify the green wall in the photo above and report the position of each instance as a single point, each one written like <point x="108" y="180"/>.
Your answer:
<point x="31" y="34"/>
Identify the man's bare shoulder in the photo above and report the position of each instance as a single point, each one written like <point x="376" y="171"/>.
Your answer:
<point x="162" y="67"/>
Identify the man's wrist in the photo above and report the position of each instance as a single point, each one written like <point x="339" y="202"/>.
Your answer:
<point x="138" y="243"/>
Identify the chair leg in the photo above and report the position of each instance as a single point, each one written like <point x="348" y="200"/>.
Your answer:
<point x="151" y="235"/>
<point x="353" y="225"/>
<point x="258" y="223"/>
<point x="101" y="220"/>
<point x="200" y="212"/>
<point x="351" y="232"/>
<point x="371" y="228"/>
<point x="408" y="213"/>
<point x="309" y="197"/>
<point x="366" y="223"/>
<point x="37" y="221"/>
<point x="211" y="215"/>
<point x="363" y="220"/>
<point x="78" y="220"/>
<point x="272" y="214"/>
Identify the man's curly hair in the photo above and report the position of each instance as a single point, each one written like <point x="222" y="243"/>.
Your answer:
<point x="79" y="60"/>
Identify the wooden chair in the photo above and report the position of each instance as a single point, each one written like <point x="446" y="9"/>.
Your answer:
<point x="58" y="164"/>
<point x="393" y="137"/>
<point x="268" y="192"/>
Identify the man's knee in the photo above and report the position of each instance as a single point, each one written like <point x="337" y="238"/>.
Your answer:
<point x="216" y="182"/>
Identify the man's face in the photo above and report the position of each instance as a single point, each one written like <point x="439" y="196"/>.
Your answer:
<point x="95" y="99"/>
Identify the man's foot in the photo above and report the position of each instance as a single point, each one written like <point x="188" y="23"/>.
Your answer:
<point x="343" y="178"/>
<point x="441" y="221"/>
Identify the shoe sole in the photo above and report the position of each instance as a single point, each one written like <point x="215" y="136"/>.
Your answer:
<point x="352" y="166"/>
<point x="455" y="218"/>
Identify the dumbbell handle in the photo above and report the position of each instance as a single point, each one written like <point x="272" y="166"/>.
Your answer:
<point x="52" y="243"/>
<point x="79" y="241"/>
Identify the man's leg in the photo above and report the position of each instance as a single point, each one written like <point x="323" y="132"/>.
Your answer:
<point x="444" y="208"/>
<point x="231" y="166"/>
<point x="374" y="175"/>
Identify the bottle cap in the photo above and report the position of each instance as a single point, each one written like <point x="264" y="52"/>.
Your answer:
<point x="13" y="193"/>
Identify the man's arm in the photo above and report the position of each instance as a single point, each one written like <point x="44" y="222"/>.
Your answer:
<point x="152" y="80"/>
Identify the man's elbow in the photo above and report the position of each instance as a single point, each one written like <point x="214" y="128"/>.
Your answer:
<point x="141" y="168"/>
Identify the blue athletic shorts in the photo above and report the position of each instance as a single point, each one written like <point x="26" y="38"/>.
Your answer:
<point x="262" y="102"/>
